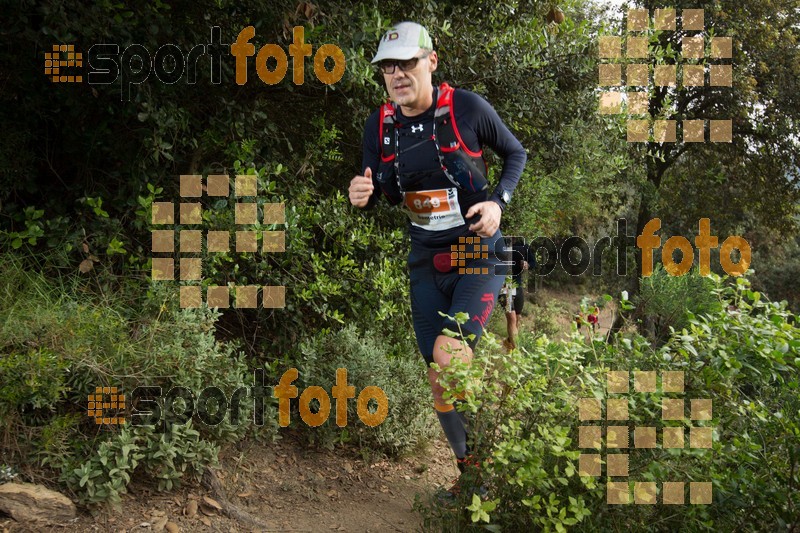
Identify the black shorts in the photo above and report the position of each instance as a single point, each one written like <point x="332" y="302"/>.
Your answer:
<point x="433" y="291"/>
<point x="517" y="302"/>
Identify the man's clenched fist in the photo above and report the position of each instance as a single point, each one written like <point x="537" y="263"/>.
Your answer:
<point x="490" y="213"/>
<point x="361" y="188"/>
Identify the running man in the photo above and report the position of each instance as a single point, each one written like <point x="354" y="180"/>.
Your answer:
<point x="512" y="295"/>
<point x="423" y="151"/>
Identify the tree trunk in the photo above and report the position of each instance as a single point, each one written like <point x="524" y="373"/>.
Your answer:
<point x="655" y="171"/>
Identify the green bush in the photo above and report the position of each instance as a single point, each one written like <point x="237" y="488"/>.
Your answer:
<point x="744" y="356"/>
<point x="164" y="456"/>
<point x="519" y="406"/>
<point x="778" y="271"/>
<point x="545" y="318"/>
<point x="396" y="369"/>
<point x="58" y="343"/>
<point x="33" y="380"/>
<point x="667" y="301"/>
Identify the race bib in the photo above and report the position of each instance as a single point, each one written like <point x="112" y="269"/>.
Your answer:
<point x="434" y="210"/>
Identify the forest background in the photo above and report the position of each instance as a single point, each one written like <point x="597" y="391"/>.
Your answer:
<point x="81" y="165"/>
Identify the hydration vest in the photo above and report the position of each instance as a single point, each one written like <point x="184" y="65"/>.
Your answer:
<point x="465" y="169"/>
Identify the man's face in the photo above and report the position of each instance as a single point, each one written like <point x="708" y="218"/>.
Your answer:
<point x="408" y="88"/>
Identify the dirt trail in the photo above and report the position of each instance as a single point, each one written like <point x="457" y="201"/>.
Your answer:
<point x="292" y="487"/>
<point x="571" y="304"/>
<point x="289" y="487"/>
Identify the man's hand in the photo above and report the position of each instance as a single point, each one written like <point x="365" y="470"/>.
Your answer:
<point x="361" y="188"/>
<point x="490" y="214"/>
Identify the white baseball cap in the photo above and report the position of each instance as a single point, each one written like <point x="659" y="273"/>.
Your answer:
<point x="403" y="41"/>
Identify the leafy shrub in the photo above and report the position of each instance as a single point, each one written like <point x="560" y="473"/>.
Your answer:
<point x="57" y="345"/>
<point x="165" y="457"/>
<point x="744" y="356"/>
<point x="545" y="318"/>
<point x="33" y="380"/>
<point x="519" y="406"/>
<point x="396" y="369"/>
<point x="6" y="473"/>
<point x="665" y="301"/>
<point x="778" y="271"/>
<point x="185" y="351"/>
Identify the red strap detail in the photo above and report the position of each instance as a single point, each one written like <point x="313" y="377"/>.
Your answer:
<point x="387" y="110"/>
<point x="448" y="150"/>
<point x="445" y="96"/>
<point x="461" y="142"/>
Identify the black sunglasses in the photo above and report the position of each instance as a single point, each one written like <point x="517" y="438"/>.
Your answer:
<point x="387" y="66"/>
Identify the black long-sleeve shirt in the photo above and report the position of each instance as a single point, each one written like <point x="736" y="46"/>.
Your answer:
<point x="420" y="168"/>
<point x="521" y="252"/>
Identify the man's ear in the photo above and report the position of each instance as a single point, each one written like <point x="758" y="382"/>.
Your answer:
<point x="433" y="61"/>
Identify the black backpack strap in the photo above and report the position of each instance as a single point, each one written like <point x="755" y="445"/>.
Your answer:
<point x="387" y="173"/>
<point x="386" y="133"/>
<point x="465" y="169"/>
<point x="445" y="126"/>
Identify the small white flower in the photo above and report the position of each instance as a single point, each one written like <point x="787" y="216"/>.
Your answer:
<point x="624" y="296"/>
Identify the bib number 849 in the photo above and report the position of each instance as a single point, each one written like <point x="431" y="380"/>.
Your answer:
<point x="429" y="203"/>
